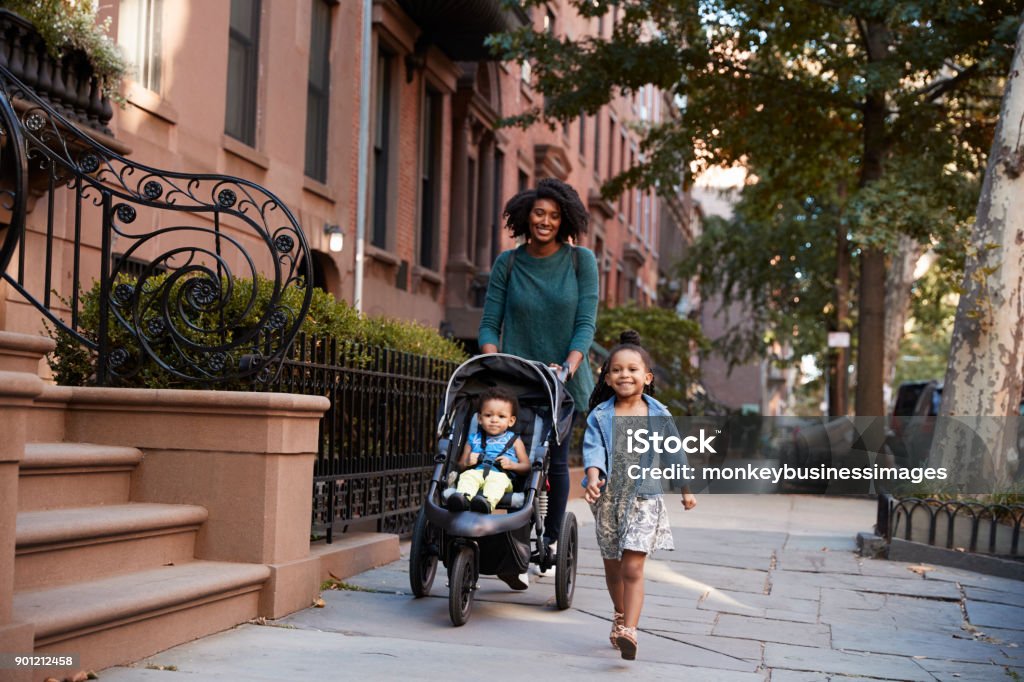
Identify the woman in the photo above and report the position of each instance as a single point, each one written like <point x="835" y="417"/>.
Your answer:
<point x="544" y="307"/>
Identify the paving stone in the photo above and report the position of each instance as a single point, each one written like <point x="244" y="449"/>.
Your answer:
<point x="988" y="582"/>
<point x="900" y="642"/>
<point x="981" y="613"/>
<point x="841" y="562"/>
<point x="270" y="653"/>
<point x="884" y="568"/>
<point x="891" y="611"/>
<point x="800" y="541"/>
<point x="801" y="676"/>
<point x="772" y="630"/>
<point x="672" y="625"/>
<point x="912" y="586"/>
<point x="811" y="659"/>
<point x="741" y="558"/>
<point x="744" y="649"/>
<point x="1004" y="636"/>
<point x="958" y="671"/>
<point x="726" y="578"/>
<point x="995" y="596"/>
<point x="761" y="605"/>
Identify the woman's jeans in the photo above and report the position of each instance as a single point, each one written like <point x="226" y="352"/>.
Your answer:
<point x="558" y="495"/>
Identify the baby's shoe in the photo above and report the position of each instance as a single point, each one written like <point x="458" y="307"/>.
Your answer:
<point x="480" y="504"/>
<point x="458" y="502"/>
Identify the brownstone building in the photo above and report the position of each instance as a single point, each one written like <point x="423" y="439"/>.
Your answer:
<point x="386" y="149"/>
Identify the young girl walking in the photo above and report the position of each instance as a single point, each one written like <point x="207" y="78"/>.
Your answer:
<point x="630" y="525"/>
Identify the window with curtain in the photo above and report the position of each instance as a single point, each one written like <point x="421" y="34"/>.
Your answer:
<point x="243" y="67"/>
<point x="139" y="26"/>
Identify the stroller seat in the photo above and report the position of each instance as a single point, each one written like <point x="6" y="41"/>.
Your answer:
<point x="528" y="422"/>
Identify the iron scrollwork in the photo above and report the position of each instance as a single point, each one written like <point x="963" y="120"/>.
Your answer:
<point x="228" y="280"/>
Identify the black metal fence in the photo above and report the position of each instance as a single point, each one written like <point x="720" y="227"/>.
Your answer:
<point x="377" y="439"/>
<point x="971" y="526"/>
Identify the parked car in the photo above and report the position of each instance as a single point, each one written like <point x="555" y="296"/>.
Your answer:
<point x="912" y="425"/>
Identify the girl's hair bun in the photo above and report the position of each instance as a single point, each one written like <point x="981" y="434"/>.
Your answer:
<point x="630" y="336"/>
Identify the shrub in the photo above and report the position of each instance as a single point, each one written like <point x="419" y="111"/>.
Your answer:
<point x="73" y="364"/>
<point x="671" y="341"/>
<point x="68" y="25"/>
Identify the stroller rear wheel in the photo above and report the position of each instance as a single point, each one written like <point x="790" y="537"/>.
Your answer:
<point x="461" y="584"/>
<point x="422" y="556"/>
<point x="565" y="562"/>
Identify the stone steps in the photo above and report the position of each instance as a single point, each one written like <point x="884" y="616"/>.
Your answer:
<point x="59" y="475"/>
<point x="61" y="546"/>
<point x="123" y="618"/>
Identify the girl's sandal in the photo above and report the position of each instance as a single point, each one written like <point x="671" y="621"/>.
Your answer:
<point x="625" y="638"/>
<point x="618" y="620"/>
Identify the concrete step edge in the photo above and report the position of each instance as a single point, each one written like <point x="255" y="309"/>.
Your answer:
<point x="38" y="529"/>
<point x="42" y="456"/>
<point x="112" y="601"/>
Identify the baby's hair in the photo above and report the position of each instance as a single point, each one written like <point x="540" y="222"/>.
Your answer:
<point x="574" y="214"/>
<point x="628" y="340"/>
<point x="502" y="394"/>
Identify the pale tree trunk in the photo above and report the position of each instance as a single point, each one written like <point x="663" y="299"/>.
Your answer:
<point x="899" y="279"/>
<point x="986" y="360"/>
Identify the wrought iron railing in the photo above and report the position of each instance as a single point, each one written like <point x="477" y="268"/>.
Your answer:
<point x="199" y="234"/>
<point x="971" y="526"/>
<point x="377" y="439"/>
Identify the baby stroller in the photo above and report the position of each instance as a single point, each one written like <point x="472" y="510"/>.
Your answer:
<point x="472" y="544"/>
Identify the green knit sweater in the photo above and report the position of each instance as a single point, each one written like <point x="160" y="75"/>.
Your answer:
<point x="544" y="309"/>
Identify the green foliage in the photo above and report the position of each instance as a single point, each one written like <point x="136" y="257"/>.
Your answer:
<point x="672" y="341"/>
<point x="327" y="318"/>
<point x="797" y="92"/>
<point x="68" y="25"/>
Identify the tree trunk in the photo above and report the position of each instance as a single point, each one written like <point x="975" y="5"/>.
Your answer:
<point x="900" y="278"/>
<point x="871" y="303"/>
<point x="986" y="359"/>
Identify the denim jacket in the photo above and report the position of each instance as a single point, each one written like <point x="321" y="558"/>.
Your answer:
<point x="599" y="438"/>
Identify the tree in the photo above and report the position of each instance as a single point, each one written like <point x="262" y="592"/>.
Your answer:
<point x="985" y="374"/>
<point x="861" y="108"/>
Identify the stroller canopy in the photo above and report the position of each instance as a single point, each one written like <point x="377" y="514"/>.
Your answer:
<point x="534" y="384"/>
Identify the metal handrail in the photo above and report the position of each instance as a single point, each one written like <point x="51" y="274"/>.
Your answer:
<point x="183" y="314"/>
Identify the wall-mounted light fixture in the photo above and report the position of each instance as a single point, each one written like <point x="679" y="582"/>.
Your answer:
<point x="335" y="238"/>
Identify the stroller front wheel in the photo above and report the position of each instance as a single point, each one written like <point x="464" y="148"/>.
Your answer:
<point x="461" y="584"/>
<point x="565" y="561"/>
<point x="422" y="556"/>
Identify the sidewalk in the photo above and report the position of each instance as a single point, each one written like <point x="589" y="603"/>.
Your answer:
<point x="760" y="588"/>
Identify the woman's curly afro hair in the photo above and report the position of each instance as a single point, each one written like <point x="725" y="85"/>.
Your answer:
<point x="574" y="213"/>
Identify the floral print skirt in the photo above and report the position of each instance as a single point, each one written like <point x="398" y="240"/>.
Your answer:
<point x="638" y="524"/>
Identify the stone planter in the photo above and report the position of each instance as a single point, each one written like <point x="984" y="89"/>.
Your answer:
<point x="68" y="83"/>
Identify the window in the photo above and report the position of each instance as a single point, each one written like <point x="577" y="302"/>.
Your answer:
<point x="622" y="168"/>
<point x="597" y="143"/>
<point x="138" y="33"/>
<point x="430" y="179"/>
<point x="583" y="133"/>
<point x="549" y="23"/>
<point x="243" y="58"/>
<point x="611" y="146"/>
<point x="523" y="181"/>
<point x="318" y="92"/>
<point x="382" y="148"/>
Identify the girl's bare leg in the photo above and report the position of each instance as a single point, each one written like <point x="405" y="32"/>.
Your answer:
<point x="613" y="579"/>
<point x="631" y="575"/>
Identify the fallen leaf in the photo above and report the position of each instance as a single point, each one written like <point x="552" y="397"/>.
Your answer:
<point x="920" y="569"/>
<point x="261" y="620"/>
<point x="80" y="676"/>
<point x="319" y="603"/>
